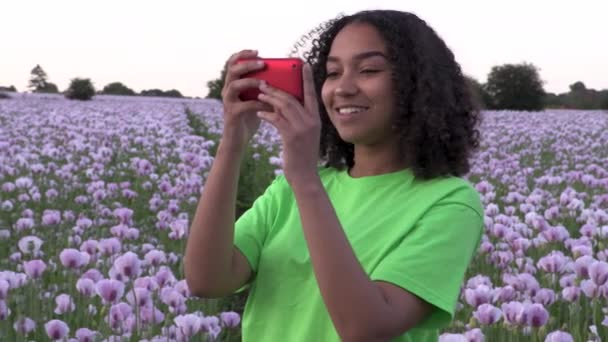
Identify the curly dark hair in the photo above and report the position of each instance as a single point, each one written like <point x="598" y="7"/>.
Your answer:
<point x="437" y="117"/>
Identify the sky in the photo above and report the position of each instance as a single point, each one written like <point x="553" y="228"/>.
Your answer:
<point x="184" y="44"/>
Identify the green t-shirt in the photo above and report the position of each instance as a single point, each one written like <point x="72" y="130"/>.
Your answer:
<point x="419" y="235"/>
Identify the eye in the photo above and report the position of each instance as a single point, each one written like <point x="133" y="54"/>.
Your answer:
<point x="331" y="74"/>
<point x="369" y="71"/>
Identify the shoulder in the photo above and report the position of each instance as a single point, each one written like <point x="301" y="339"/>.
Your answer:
<point x="451" y="190"/>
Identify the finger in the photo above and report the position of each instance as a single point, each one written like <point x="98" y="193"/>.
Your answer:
<point x="233" y="60"/>
<point x="287" y="104"/>
<point x="274" y="119"/>
<point x="287" y="111"/>
<point x="252" y="106"/>
<point x="233" y="89"/>
<point x="310" y="94"/>
<point x="242" y="68"/>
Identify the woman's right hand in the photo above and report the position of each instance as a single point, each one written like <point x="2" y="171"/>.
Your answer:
<point x="240" y="119"/>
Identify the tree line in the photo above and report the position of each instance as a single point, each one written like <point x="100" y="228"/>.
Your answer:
<point x="83" y="88"/>
<point x="508" y="86"/>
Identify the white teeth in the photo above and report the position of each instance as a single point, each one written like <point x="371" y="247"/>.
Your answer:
<point x="350" y="110"/>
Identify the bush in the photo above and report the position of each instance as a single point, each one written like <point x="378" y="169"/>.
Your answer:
<point x="48" y="88"/>
<point x="515" y="87"/>
<point x="80" y="89"/>
<point x="117" y="88"/>
<point x="4" y="96"/>
<point x="11" y="89"/>
<point x="160" y="93"/>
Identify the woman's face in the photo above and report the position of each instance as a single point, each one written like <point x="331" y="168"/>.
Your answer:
<point x="358" y="91"/>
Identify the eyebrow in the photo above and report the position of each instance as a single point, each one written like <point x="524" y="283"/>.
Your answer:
<point x="360" y="56"/>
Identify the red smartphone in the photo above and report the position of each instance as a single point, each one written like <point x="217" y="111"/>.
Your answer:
<point x="281" y="73"/>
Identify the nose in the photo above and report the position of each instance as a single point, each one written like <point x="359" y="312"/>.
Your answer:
<point x="346" y="86"/>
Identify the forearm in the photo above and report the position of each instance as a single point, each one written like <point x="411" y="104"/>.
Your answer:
<point x="209" y="249"/>
<point x="352" y="299"/>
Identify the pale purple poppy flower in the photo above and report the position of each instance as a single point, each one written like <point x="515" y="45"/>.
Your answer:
<point x="118" y="314"/>
<point x="179" y="229"/>
<point x="73" y="258"/>
<point x="24" y="183"/>
<point x="447" y="337"/>
<point x="537" y="315"/>
<point x="211" y="325"/>
<point x="64" y="304"/>
<point x="56" y="329"/>
<point x="147" y="282"/>
<point x="482" y="294"/>
<point x="230" y="319"/>
<point x="86" y="335"/>
<point x="109" y="246"/>
<point x="129" y="194"/>
<point x="182" y="287"/>
<point x="132" y="234"/>
<point x="477" y="280"/>
<point x="128" y="265"/>
<point x="189" y="325"/>
<point x="512" y="312"/>
<point x="29" y="244"/>
<point x="589" y="288"/>
<point x="559" y="336"/>
<point x="110" y="290"/>
<point x="571" y="293"/>
<point x="568" y="280"/>
<point x="86" y="287"/>
<point x="155" y="258"/>
<point x="545" y="297"/>
<point x="119" y="231"/>
<point x="23" y="224"/>
<point x="51" y="217"/>
<point x="34" y="268"/>
<point x="504" y="294"/>
<point x="172" y="298"/>
<point x="487" y="314"/>
<point x="598" y="272"/>
<point x="164" y="276"/>
<point x="552" y="263"/>
<point x="24" y="325"/>
<point x="90" y="247"/>
<point x="8" y="187"/>
<point x="142" y="297"/>
<point x="124" y="215"/>
<point x="151" y="315"/>
<point x="93" y="274"/>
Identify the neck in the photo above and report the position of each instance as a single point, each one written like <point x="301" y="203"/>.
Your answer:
<point x="376" y="160"/>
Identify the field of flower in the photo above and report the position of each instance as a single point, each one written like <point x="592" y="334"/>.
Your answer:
<point x="96" y="200"/>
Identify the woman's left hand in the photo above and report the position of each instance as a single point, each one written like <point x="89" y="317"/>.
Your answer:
<point x="299" y="127"/>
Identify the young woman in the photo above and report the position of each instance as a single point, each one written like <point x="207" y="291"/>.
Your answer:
<point x="374" y="244"/>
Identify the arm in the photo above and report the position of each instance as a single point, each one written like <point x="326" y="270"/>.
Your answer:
<point x="210" y="254"/>
<point x="389" y="311"/>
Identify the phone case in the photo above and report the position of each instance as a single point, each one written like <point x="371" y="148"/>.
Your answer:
<point x="281" y="73"/>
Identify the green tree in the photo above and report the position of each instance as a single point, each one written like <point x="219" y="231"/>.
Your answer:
<point x="38" y="79"/>
<point x="481" y="98"/>
<point x="117" y="88"/>
<point x="215" y="86"/>
<point x="80" y="89"/>
<point x="516" y="87"/>
<point x="49" y="88"/>
<point x="11" y="89"/>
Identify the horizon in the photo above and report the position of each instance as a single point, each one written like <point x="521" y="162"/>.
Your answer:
<point x="145" y="45"/>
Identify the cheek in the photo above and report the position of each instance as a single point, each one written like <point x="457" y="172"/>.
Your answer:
<point x="325" y="96"/>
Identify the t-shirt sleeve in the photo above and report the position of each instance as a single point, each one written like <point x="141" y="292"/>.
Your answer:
<point x="432" y="259"/>
<point x="252" y="226"/>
